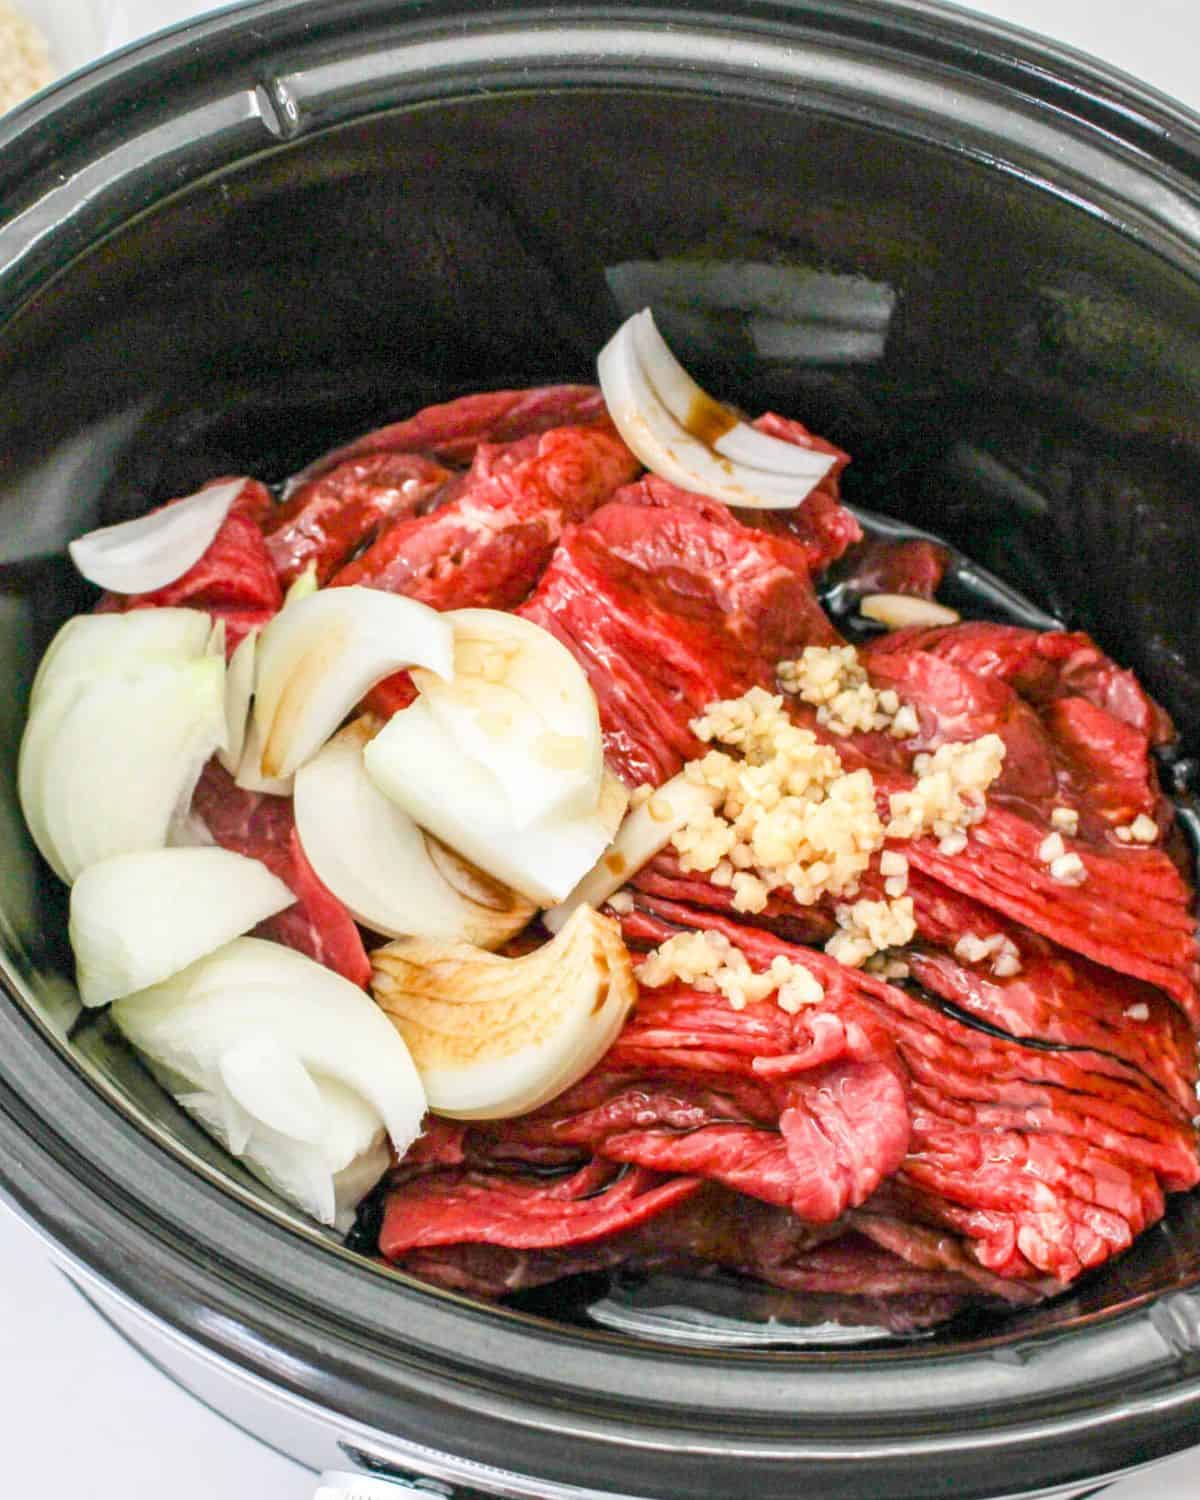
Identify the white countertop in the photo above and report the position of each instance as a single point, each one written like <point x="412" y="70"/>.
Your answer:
<point x="85" y="1416"/>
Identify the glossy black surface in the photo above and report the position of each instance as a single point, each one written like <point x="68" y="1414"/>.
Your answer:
<point x="975" y="266"/>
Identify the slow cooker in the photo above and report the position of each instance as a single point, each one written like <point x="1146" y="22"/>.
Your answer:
<point x="972" y="261"/>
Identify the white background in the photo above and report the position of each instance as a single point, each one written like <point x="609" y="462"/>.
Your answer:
<point x="83" y="1415"/>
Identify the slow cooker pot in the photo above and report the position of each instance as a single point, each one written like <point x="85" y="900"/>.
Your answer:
<point x="971" y="260"/>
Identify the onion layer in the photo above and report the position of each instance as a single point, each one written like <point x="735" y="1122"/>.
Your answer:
<point x="682" y="434"/>
<point x="292" y="1067"/>
<point x="147" y="553"/>
<point x="136" y="919"/>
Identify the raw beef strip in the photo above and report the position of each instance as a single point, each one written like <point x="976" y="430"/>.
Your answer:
<point x="234" y="580"/>
<point x="806" y="1112"/>
<point x="1069" y="1161"/>
<point x="877" y="566"/>
<point x="263" y="827"/>
<point x="858" y="1278"/>
<point x="1042" y="666"/>
<point x="325" y="520"/>
<point x="451" y="431"/>
<point x="453" y="1207"/>
<point x="667" y="608"/>
<point x="488" y="546"/>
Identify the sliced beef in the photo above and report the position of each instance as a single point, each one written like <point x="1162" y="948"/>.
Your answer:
<point x="1047" y="1161"/>
<point x="806" y="1112"/>
<point x="1062" y="999"/>
<point x="666" y="608"/>
<point x="327" y="519"/>
<point x="452" y="431"/>
<point x="233" y="580"/>
<point x="1042" y="666"/>
<point x="878" y="566"/>
<point x="263" y="827"/>
<point x="488" y="546"/>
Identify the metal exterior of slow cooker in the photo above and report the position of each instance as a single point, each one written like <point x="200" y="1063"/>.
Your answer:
<point x="395" y="1365"/>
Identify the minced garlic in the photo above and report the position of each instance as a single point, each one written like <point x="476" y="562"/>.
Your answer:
<point x="949" y="794"/>
<point x="708" y="961"/>
<point x="1143" y="830"/>
<point x="1003" y="953"/>
<point x="790" y="817"/>
<point x="833" y="679"/>
<point x="870" y="927"/>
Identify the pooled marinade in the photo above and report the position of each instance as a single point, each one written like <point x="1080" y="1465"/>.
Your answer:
<point x="965" y="1131"/>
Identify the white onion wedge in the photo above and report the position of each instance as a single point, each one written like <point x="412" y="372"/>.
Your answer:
<point x="420" y="767"/>
<point x="147" y="553"/>
<point x="645" y="832"/>
<point x="239" y="689"/>
<point x="318" y="657"/>
<point x="521" y="707"/>
<point x="136" y="919"/>
<point x="90" y="644"/>
<point x="232" y="1035"/>
<point x="107" y="764"/>
<point x="375" y="859"/>
<point x="680" y="433"/>
<point x="309" y="1176"/>
<point x="495" y="1037"/>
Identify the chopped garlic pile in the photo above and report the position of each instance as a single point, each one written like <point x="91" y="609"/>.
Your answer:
<point x="1143" y="830"/>
<point x="949" y="794"/>
<point x="791" y="817"/>
<point x="1001" y="950"/>
<point x="833" y="679"/>
<point x="870" y="927"/>
<point x="708" y="961"/>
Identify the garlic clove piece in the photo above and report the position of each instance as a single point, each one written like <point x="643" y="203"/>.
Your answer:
<point x="495" y="1037"/>
<point x="900" y="611"/>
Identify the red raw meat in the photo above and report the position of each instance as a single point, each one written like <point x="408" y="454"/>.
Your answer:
<point x="488" y="546"/>
<point x="453" y="430"/>
<point x="819" y="524"/>
<point x="1042" y="666"/>
<point x="806" y="1112"/>
<point x="263" y="827"/>
<point x="234" y="580"/>
<point x="325" y="520"/>
<point x="877" y="566"/>
<point x="1079" y="1157"/>
<point x="596" y="1201"/>
<point x="666" y="608"/>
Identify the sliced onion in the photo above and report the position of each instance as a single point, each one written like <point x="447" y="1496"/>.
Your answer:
<point x="682" y="434"/>
<point x="106" y="764"/>
<point x="494" y="1037"/>
<point x="90" y="644"/>
<point x="239" y="688"/>
<point x="521" y="707"/>
<point x="136" y="919"/>
<point x="645" y="832"/>
<point x="318" y="657"/>
<point x="422" y="768"/>
<point x="147" y="553"/>
<point x="375" y="859"/>
<point x="232" y="1034"/>
<point x="249" y="775"/>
